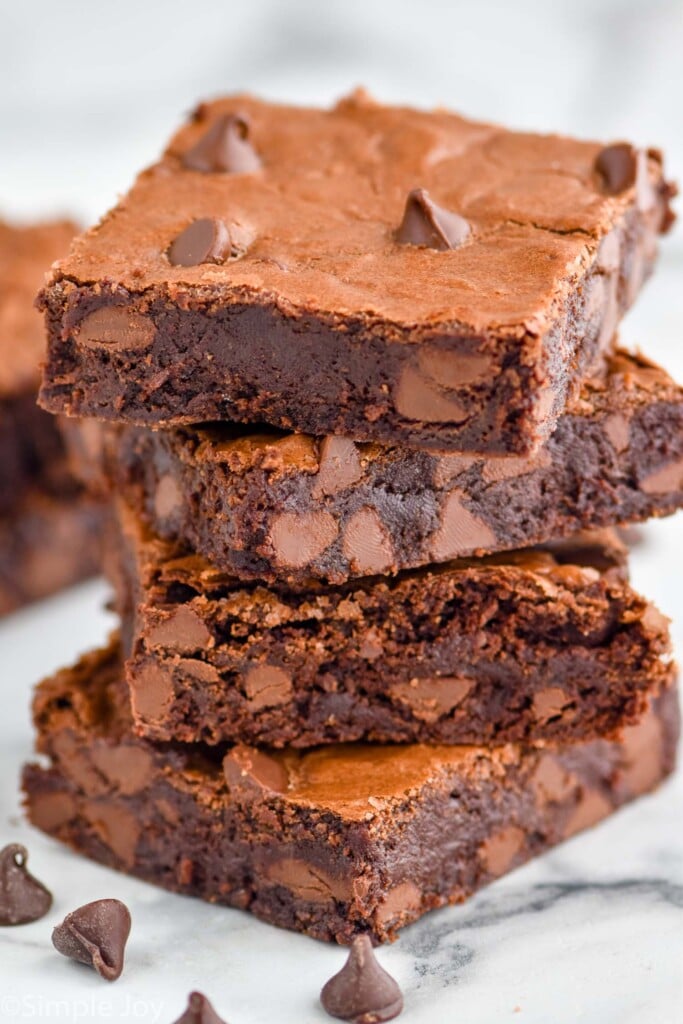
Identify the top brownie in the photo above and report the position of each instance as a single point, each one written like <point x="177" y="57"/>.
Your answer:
<point x="376" y="272"/>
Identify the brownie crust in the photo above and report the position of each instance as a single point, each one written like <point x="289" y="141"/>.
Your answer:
<point x="272" y="506"/>
<point x="540" y="645"/>
<point x="319" y="318"/>
<point x="332" y="842"/>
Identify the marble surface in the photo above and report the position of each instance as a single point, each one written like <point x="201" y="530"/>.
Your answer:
<point x="591" y="933"/>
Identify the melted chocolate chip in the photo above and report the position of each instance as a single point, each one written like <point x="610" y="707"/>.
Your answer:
<point x="616" y="167"/>
<point x="362" y="992"/>
<point x="22" y="897"/>
<point x="199" y="1011"/>
<point x="204" y="241"/>
<point x="96" y="935"/>
<point x="224" y="147"/>
<point x="425" y="223"/>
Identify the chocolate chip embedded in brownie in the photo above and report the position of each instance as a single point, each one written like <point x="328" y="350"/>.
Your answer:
<point x="373" y="272"/>
<point x="274" y="506"/>
<point x="547" y="644"/>
<point x="332" y="842"/>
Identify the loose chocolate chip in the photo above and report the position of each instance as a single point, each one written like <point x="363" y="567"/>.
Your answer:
<point x="22" y="897"/>
<point x="616" y="167"/>
<point x="362" y="992"/>
<point x="96" y="935"/>
<point x="199" y="1011"/>
<point x="224" y="147"/>
<point x="425" y="223"/>
<point x="204" y="241"/>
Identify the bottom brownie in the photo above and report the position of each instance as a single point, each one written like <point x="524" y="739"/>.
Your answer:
<point x="333" y="841"/>
<point x="47" y="542"/>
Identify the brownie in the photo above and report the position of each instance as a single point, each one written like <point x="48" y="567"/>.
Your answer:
<point x="30" y="446"/>
<point x="268" y="505"/>
<point x="334" y="841"/>
<point x="48" y="542"/>
<point x="544" y="645"/>
<point x="373" y="272"/>
<point x="50" y="533"/>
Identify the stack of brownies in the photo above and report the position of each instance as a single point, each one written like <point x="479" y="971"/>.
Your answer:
<point x="49" y="535"/>
<point x="351" y="378"/>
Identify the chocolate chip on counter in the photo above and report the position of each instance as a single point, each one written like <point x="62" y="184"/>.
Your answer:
<point x="206" y="240"/>
<point x="22" y="897"/>
<point x="425" y="223"/>
<point x="225" y="147"/>
<point x="616" y="166"/>
<point x="96" y="935"/>
<point x="362" y="992"/>
<point x="199" y="1011"/>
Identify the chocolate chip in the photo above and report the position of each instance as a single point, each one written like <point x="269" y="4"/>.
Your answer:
<point x="22" y="897"/>
<point x="95" y="935"/>
<point x="224" y="147"/>
<point x="267" y="686"/>
<point x="206" y="240"/>
<point x="249" y="772"/>
<point x="425" y="223"/>
<point x="362" y="992"/>
<point x="367" y="544"/>
<point x="616" y="166"/>
<point x="116" y="327"/>
<point x="199" y="1011"/>
<point x="298" y="539"/>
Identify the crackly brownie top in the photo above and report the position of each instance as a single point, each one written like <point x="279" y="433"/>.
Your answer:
<point x="26" y="254"/>
<point x="383" y="213"/>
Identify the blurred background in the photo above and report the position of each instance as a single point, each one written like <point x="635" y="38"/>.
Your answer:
<point x="89" y="92"/>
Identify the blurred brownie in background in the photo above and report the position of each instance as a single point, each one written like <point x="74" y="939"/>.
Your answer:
<point x="49" y="533"/>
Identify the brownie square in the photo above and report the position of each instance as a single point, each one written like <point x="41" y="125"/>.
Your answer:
<point x="332" y="842"/>
<point x="47" y="543"/>
<point x="49" y="533"/>
<point x="30" y="447"/>
<point x="263" y="504"/>
<point x="374" y="272"/>
<point x="535" y="645"/>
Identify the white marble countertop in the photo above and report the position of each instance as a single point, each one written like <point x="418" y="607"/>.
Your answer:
<point x="591" y="933"/>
